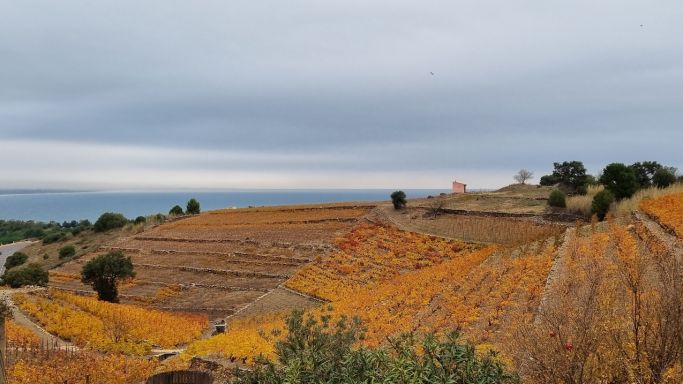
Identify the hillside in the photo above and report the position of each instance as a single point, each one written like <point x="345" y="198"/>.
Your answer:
<point x="519" y="284"/>
<point x="219" y="262"/>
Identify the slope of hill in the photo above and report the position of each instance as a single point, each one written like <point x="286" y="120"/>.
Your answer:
<point x="220" y="261"/>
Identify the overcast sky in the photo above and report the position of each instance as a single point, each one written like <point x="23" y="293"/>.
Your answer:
<point x="330" y="94"/>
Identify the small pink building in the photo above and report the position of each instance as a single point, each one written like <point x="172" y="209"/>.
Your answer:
<point x="459" y="187"/>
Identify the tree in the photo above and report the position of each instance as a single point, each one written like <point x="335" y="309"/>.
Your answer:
<point x="548" y="180"/>
<point x="15" y="259"/>
<point x="601" y="203"/>
<point x="570" y="175"/>
<point x="32" y="274"/>
<point x="523" y="175"/>
<point x="644" y="172"/>
<point x="320" y="351"/>
<point x="176" y="211"/>
<point x="664" y="176"/>
<point x="105" y="271"/>
<point x="620" y="180"/>
<point x="110" y="220"/>
<point x="67" y="251"/>
<point x="398" y="198"/>
<point x="557" y="199"/>
<point x="192" y="207"/>
<point x="140" y="220"/>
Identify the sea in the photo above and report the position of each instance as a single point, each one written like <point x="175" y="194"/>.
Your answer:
<point x="67" y="206"/>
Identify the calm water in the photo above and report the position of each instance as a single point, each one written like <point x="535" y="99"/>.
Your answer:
<point x="89" y="205"/>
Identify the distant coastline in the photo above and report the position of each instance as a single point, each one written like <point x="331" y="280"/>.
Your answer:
<point x="62" y="206"/>
<point x="26" y="191"/>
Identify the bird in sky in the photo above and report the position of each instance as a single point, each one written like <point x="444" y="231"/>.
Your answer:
<point x="432" y="73"/>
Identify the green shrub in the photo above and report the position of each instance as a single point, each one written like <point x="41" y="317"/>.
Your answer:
<point x="601" y="203"/>
<point x="32" y="274"/>
<point x="315" y="351"/>
<point x="398" y="199"/>
<point x="176" y="211"/>
<point x="18" y="258"/>
<point x="193" y="207"/>
<point x="54" y="237"/>
<point x="67" y="251"/>
<point x="140" y="220"/>
<point x="557" y="199"/>
<point x="110" y="220"/>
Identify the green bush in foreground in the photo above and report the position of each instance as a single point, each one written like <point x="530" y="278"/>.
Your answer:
<point x="32" y="274"/>
<point x="322" y="352"/>
<point x="557" y="199"/>
<point x="17" y="258"/>
<point x="110" y="220"/>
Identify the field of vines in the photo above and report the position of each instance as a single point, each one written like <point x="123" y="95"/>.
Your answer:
<point x="107" y="327"/>
<point x="668" y="210"/>
<point x="369" y="254"/>
<point x="611" y="314"/>
<point x="244" y="340"/>
<point x="79" y="367"/>
<point x="398" y="281"/>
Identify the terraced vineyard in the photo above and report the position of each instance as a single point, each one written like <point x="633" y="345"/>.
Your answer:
<point x="219" y="262"/>
<point x="399" y="281"/>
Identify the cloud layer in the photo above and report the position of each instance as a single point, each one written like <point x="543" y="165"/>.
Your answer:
<point x="332" y="94"/>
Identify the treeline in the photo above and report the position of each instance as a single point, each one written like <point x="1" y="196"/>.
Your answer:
<point x="620" y="181"/>
<point x="16" y="230"/>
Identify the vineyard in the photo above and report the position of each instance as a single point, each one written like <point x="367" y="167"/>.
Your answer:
<point x="398" y="281"/>
<point x="474" y="228"/>
<point x="219" y="262"/>
<point x="667" y="210"/>
<point x="611" y="314"/>
<point x="79" y="367"/>
<point x="370" y="254"/>
<point x="107" y="327"/>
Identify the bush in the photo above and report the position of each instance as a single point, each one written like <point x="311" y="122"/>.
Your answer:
<point x="18" y="258"/>
<point x="548" y="180"/>
<point x="601" y="203"/>
<point x="321" y="351"/>
<point x="192" y="207"/>
<point x="620" y="180"/>
<point x="663" y="177"/>
<point x="110" y="220"/>
<point x="104" y="272"/>
<point x="54" y="237"/>
<point x="67" y="251"/>
<point x="176" y="211"/>
<point x="557" y="199"/>
<point x="140" y="220"/>
<point x="398" y="198"/>
<point x="32" y="274"/>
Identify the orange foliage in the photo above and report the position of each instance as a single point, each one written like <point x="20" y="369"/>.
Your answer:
<point x="111" y="327"/>
<point x="20" y="336"/>
<point x="371" y="254"/>
<point x="60" y="367"/>
<point x="668" y="210"/>
<point x="244" y="339"/>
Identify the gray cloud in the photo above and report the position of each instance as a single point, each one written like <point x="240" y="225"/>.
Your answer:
<point x="346" y="87"/>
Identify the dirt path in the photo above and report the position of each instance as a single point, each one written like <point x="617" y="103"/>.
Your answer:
<point x="21" y="319"/>
<point x="673" y="243"/>
<point x="555" y="272"/>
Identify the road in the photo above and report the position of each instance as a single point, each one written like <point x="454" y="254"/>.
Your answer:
<point x="9" y="249"/>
